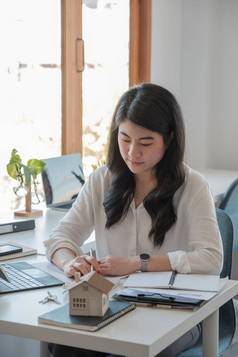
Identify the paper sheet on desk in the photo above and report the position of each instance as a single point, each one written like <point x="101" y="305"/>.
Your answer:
<point x="202" y="295"/>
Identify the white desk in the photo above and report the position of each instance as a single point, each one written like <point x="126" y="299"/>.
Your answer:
<point x="143" y="332"/>
<point x="44" y="225"/>
<point x="33" y="238"/>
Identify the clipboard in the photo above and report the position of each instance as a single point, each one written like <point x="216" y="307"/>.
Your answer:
<point x="158" y="299"/>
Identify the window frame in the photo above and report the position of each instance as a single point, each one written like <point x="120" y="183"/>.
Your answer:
<point x="72" y="64"/>
<point x="71" y="33"/>
<point x="140" y="41"/>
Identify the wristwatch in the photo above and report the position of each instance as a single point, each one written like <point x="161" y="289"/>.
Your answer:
<point x="144" y="260"/>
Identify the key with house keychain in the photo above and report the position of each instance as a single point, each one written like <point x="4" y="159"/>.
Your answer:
<point x="49" y="297"/>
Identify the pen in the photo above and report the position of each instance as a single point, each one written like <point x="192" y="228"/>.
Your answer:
<point x="91" y="255"/>
<point x="3" y="274"/>
<point x="172" y="278"/>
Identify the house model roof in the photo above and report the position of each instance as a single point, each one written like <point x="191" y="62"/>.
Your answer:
<point x="95" y="280"/>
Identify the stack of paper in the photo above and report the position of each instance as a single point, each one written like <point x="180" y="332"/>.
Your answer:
<point x="199" y="286"/>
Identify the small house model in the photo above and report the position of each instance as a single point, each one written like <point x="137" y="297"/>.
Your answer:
<point x="89" y="296"/>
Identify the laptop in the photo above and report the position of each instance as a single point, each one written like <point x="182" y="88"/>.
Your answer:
<point x="22" y="276"/>
<point x="62" y="180"/>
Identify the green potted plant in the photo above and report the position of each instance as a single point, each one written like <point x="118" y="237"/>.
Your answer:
<point x="26" y="175"/>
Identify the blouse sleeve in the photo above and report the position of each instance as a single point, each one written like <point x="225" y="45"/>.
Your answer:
<point x="205" y="249"/>
<point x="76" y="226"/>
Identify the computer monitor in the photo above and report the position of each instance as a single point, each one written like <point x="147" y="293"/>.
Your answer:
<point x="62" y="179"/>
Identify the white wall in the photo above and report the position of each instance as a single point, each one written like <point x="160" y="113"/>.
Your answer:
<point x="223" y="149"/>
<point x="195" y="55"/>
<point x="166" y="44"/>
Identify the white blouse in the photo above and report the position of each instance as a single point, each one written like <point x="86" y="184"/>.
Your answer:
<point x="193" y="243"/>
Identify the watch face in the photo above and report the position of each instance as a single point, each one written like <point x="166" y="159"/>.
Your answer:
<point x="144" y="256"/>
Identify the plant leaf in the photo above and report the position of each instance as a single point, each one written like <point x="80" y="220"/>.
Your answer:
<point x="35" y="166"/>
<point x="15" y="157"/>
<point x="14" y="165"/>
<point x="12" y="170"/>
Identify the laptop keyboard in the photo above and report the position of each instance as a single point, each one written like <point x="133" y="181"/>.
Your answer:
<point x="18" y="280"/>
<point x="23" y="276"/>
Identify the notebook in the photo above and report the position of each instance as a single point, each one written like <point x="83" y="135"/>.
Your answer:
<point x="24" y="276"/>
<point x="25" y="251"/>
<point x="173" y="280"/>
<point x="61" y="317"/>
<point x="62" y="180"/>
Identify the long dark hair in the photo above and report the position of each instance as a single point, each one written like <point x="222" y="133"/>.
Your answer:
<point x="156" y="109"/>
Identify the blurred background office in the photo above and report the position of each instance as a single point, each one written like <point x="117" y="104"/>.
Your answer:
<point x="64" y="64"/>
<point x="195" y="54"/>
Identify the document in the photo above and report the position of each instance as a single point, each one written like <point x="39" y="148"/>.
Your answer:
<point x="173" y="280"/>
<point x="159" y="299"/>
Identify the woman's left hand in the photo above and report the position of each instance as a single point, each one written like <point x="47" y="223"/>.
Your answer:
<point x="119" y="265"/>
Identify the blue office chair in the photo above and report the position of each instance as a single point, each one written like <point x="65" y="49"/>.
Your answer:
<point x="227" y="319"/>
<point x="229" y="204"/>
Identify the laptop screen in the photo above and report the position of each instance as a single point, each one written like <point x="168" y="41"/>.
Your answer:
<point x="62" y="179"/>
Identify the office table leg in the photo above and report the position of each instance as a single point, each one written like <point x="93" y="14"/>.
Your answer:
<point x="210" y="331"/>
<point x="44" y="349"/>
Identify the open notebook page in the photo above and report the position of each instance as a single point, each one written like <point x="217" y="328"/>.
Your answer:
<point x="199" y="282"/>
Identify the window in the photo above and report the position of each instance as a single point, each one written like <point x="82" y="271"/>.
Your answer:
<point x="30" y="86"/>
<point x="100" y="78"/>
<point x="43" y="84"/>
<point x="105" y="75"/>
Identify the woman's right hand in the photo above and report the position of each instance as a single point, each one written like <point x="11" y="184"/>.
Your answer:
<point x="81" y="264"/>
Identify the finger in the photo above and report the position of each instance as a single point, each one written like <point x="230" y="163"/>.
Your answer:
<point x="69" y="271"/>
<point x="104" y="259"/>
<point x="104" y="265"/>
<point x="77" y="276"/>
<point x="107" y="272"/>
<point x="79" y="259"/>
<point x="84" y="269"/>
<point x="81" y="265"/>
<point x="104" y="270"/>
<point x="93" y="262"/>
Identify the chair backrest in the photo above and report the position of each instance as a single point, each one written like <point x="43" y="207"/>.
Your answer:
<point x="230" y="205"/>
<point x="227" y="319"/>
<point x="226" y="230"/>
<point x="230" y="200"/>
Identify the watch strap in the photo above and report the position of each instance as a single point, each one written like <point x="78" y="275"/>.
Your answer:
<point x="144" y="260"/>
<point x="144" y="265"/>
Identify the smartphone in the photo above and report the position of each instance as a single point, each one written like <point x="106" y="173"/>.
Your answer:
<point x="6" y="249"/>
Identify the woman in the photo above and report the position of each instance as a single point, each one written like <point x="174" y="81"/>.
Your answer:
<point x="149" y="210"/>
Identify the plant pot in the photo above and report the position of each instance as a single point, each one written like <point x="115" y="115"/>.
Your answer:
<point x="28" y="212"/>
